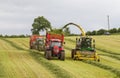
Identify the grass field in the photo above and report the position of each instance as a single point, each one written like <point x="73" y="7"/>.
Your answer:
<point x="17" y="61"/>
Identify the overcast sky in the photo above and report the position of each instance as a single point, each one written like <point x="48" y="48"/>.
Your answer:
<point x="16" y="16"/>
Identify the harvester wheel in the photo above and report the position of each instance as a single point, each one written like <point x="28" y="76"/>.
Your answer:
<point x="62" y="57"/>
<point x="72" y="53"/>
<point x="48" y="55"/>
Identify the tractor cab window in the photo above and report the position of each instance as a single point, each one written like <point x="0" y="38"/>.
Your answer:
<point x="55" y="43"/>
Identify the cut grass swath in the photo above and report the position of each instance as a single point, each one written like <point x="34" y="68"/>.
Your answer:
<point x="103" y="66"/>
<point x="106" y="51"/>
<point x="109" y="55"/>
<point x="2" y="73"/>
<point x="74" y="73"/>
<point x="59" y="72"/>
<point x="116" y="71"/>
<point x="12" y="44"/>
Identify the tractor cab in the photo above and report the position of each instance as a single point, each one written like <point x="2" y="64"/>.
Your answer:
<point x="54" y="46"/>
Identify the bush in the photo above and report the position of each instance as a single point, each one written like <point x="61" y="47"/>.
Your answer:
<point x="118" y="30"/>
<point x="101" y="32"/>
<point x="114" y="30"/>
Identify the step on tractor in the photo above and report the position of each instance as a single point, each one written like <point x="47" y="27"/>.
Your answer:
<point x="54" y="46"/>
<point x="85" y="47"/>
<point x="37" y="42"/>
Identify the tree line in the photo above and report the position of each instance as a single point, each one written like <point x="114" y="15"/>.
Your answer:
<point x="103" y="31"/>
<point x="14" y="36"/>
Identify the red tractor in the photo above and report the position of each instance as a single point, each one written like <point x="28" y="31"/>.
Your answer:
<point x="37" y="42"/>
<point x="54" y="46"/>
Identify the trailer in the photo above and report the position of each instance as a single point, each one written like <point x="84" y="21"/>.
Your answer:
<point x="37" y="42"/>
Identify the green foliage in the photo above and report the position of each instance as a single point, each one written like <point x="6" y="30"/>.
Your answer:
<point x="101" y="32"/>
<point x="88" y="33"/>
<point x="15" y="36"/>
<point x="118" y="30"/>
<point x="114" y="30"/>
<point x="91" y="33"/>
<point x="94" y="32"/>
<point x="56" y="31"/>
<point x="66" y="31"/>
<point x="60" y="31"/>
<point x="35" y="31"/>
<point x="1" y="35"/>
<point x="40" y="24"/>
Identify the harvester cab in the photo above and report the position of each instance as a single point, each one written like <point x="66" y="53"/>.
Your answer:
<point x="85" y="43"/>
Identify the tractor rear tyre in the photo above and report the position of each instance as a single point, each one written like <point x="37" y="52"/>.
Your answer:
<point x="62" y="57"/>
<point x="48" y="55"/>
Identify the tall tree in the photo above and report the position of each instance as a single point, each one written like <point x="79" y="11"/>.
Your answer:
<point x="40" y="24"/>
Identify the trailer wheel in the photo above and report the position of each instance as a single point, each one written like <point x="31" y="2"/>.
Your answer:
<point x="62" y="57"/>
<point x="48" y="55"/>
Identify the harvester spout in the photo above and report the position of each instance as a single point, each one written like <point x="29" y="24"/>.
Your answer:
<point x="78" y="26"/>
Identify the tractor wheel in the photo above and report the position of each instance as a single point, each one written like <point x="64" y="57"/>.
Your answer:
<point x="48" y="55"/>
<point x="72" y="53"/>
<point x="62" y="57"/>
<point x="31" y="47"/>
